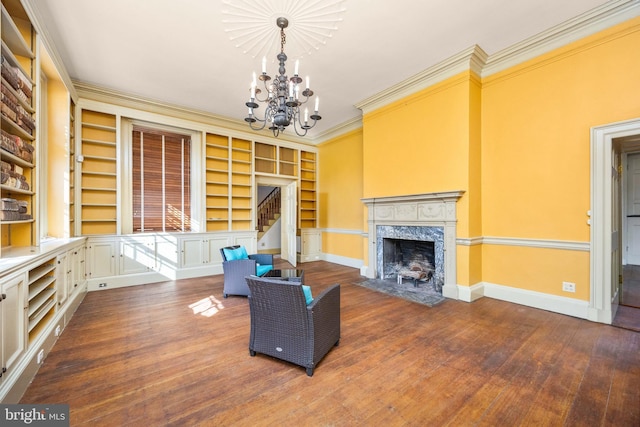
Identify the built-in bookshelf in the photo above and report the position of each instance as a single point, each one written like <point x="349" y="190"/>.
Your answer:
<point x="18" y="119"/>
<point x="308" y="196"/>
<point x="97" y="162"/>
<point x="288" y="161"/>
<point x="41" y="297"/>
<point x="241" y="184"/>
<point x="217" y="182"/>
<point x="265" y="158"/>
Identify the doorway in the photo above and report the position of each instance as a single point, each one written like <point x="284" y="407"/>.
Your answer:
<point x="609" y="144"/>
<point x="283" y="234"/>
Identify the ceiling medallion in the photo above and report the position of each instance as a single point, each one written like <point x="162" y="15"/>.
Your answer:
<point x="249" y="24"/>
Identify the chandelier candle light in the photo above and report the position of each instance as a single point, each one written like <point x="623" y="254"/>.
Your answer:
<point x="282" y="96"/>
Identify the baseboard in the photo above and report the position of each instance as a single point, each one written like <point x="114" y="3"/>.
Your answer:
<point x="557" y="304"/>
<point x="111" y="282"/>
<point x="347" y="262"/>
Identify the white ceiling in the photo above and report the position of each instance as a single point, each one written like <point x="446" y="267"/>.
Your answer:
<point x="181" y="52"/>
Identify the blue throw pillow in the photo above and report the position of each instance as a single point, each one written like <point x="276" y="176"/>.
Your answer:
<point x="234" y="254"/>
<point x="307" y="294"/>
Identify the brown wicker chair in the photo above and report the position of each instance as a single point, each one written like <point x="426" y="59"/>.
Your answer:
<point x="285" y="327"/>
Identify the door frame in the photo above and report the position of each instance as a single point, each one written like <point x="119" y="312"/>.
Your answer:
<point x="601" y="305"/>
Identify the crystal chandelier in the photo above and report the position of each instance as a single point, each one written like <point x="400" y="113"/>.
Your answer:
<point x="283" y="97"/>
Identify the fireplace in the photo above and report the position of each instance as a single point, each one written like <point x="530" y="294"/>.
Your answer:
<point x="402" y="249"/>
<point x="414" y="228"/>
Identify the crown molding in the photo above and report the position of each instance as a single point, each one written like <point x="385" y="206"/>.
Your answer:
<point x="339" y="130"/>
<point x="479" y="62"/>
<point x="600" y="18"/>
<point x="110" y="96"/>
<point x="43" y="37"/>
<point x="472" y="59"/>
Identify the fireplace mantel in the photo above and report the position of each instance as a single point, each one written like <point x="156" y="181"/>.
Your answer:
<point x="429" y="209"/>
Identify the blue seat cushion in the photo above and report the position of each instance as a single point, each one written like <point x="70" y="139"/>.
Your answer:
<point x="307" y="294"/>
<point x="262" y="269"/>
<point x="234" y="254"/>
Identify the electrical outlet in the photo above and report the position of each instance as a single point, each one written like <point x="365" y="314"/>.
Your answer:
<point x="40" y="356"/>
<point x="58" y="330"/>
<point x="568" y="286"/>
<point x="102" y="285"/>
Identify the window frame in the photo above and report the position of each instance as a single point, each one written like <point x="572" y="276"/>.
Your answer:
<point x="127" y="173"/>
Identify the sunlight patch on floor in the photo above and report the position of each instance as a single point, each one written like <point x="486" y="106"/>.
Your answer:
<point x="207" y="306"/>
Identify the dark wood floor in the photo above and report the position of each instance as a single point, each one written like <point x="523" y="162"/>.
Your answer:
<point x="628" y="313"/>
<point x="176" y="353"/>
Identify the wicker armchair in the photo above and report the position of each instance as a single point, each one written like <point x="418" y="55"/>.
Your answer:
<point x="285" y="327"/>
<point x="237" y="269"/>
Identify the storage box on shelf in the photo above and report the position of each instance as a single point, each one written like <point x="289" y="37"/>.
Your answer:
<point x="17" y="141"/>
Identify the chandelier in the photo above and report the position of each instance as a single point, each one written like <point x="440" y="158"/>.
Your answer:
<point x="283" y="98"/>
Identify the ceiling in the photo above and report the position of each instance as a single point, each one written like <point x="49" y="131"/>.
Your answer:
<point x="182" y="52"/>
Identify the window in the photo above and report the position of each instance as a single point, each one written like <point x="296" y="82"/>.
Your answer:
<point x="161" y="169"/>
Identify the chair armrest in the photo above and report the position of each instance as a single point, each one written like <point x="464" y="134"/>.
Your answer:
<point x="262" y="259"/>
<point x="326" y="306"/>
<point x="239" y="267"/>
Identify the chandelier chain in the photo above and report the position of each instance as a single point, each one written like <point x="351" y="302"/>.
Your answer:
<point x="283" y="40"/>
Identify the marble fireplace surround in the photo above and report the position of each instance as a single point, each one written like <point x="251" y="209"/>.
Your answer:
<point x="421" y="210"/>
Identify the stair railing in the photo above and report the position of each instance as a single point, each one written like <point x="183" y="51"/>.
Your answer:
<point x="268" y="208"/>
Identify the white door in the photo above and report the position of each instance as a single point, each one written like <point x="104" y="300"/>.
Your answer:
<point x="633" y="209"/>
<point x="288" y="224"/>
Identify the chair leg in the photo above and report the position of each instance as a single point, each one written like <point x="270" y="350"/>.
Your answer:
<point x="310" y="372"/>
<point x="225" y="295"/>
<point x="252" y="353"/>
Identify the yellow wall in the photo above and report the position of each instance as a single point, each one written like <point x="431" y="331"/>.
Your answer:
<point x="340" y="185"/>
<point x="517" y="143"/>
<point x="536" y="121"/>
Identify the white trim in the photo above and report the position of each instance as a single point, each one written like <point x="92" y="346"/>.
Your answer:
<point x="343" y="260"/>
<point x="343" y="231"/>
<point x="472" y="58"/>
<point x="471" y="293"/>
<point x="469" y="241"/>
<point x="538" y="243"/>
<point x="595" y="20"/>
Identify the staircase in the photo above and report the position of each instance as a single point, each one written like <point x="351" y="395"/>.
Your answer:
<point x="268" y="212"/>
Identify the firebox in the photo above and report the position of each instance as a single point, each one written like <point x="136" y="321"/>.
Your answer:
<point x="414" y="252"/>
<point x="408" y="259"/>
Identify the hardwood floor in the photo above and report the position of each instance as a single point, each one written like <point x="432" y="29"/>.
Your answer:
<point x="176" y="353"/>
<point x="628" y="313"/>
